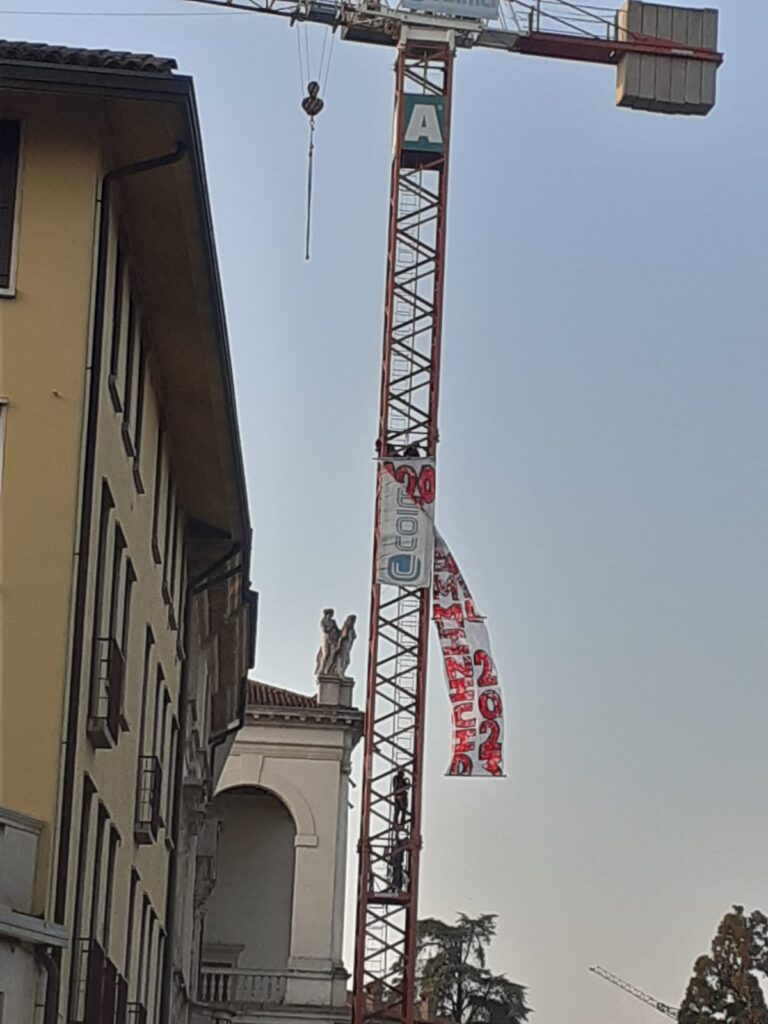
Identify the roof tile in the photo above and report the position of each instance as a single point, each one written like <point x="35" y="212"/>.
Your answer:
<point x="263" y="695"/>
<point x="44" y="53"/>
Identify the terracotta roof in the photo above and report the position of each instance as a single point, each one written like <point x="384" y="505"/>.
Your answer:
<point x="43" y="53"/>
<point x="263" y="695"/>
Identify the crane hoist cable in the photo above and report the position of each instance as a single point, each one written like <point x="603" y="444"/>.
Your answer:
<point x="312" y="105"/>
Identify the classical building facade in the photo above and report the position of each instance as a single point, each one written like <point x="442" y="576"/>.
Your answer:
<point x="127" y="622"/>
<point x="276" y="835"/>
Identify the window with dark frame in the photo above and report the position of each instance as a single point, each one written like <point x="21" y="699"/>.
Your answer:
<point x="98" y="859"/>
<point x="89" y="790"/>
<point x="170" y="534"/>
<point x="173" y="620"/>
<point x="129" y="930"/>
<point x="109" y="642"/>
<point x="125" y="629"/>
<point x="150" y="948"/>
<point x="157" y="495"/>
<point x="10" y="134"/>
<point x="114" y="841"/>
<point x="165" y="767"/>
<point x="149" y="643"/>
<point x="181" y="575"/>
<point x="172" y="752"/>
<point x="145" y="911"/>
<point x="159" y="690"/>
<point x="126" y="428"/>
<point x="179" y="598"/>
<point x="107" y="659"/>
<point x="147" y="818"/>
<point x="116" y="595"/>
<point x="118" y="297"/>
<point x="97" y="992"/>
<point x="164" y="724"/>
<point x="159" y="970"/>
<point x="105" y="515"/>
<point x="138" y="423"/>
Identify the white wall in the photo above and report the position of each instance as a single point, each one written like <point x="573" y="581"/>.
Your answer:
<point x="18" y="976"/>
<point x="252" y="902"/>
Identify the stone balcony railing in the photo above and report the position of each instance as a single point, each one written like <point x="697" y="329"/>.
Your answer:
<point x="248" y="989"/>
<point x="240" y="986"/>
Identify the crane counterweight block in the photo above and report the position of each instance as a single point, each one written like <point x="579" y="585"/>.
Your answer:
<point x="678" y="80"/>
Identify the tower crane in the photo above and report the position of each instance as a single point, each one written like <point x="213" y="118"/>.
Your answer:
<point x="665" y="59"/>
<point x="638" y="993"/>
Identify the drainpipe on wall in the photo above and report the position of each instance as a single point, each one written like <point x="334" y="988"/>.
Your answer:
<point x="81" y="583"/>
<point x="44" y="959"/>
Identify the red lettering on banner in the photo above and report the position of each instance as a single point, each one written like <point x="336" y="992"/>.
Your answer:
<point x="427" y="484"/>
<point x="493" y="766"/>
<point x="444" y="562"/>
<point x="450" y="632"/>
<point x="447" y="587"/>
<point x="464" y="741"/>
<point x="472" y="682"/>
<point x="490" y="704"/>
<point x="453" y="611"/>
<point x="461" y="693"/>
<point x="419" y="488"/>
<point x="455" y="668"/>
<point x="460" y="765"/>
<point x="459" y="650"/>
<point x="487" y="675"/>
<point x="491" y="748"/>
<point x="406" y="475"/>
<point x="464" y="715"/>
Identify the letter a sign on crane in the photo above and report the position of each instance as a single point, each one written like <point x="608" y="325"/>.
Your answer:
<point x="423" y="127"/>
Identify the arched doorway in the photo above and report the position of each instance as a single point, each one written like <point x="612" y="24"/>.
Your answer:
<point x="248" y="924"/>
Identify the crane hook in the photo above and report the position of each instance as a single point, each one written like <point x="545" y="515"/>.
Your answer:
<point x="312" y="105"/>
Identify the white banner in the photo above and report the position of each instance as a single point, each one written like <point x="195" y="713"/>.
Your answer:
<point x="480" y="10"/>
<point x="406" y="496"/>
<point x="473" y="685"/>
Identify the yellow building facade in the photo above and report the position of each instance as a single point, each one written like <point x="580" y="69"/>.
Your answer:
<point x="126" y="620"/>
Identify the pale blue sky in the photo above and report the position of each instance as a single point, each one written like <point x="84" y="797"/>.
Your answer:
<point x="602" y="468"/>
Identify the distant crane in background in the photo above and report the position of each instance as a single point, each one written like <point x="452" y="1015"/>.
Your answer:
<point x="633" y="990"/>
<point x="665" y="60"/>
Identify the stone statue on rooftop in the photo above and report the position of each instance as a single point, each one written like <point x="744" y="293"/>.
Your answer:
<point x="329" y="641"/>
<point x="335" y="651"/>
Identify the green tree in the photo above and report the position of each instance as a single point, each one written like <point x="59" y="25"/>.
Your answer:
<point x="452" y="977"/>
<point x="725" y="987"/>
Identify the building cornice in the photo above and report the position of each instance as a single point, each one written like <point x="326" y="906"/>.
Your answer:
<point x="321" y="715"/>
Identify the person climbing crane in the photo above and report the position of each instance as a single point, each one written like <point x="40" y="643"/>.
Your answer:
<point x="400" y="787"/>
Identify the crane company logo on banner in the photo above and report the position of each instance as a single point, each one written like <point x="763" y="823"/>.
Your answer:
<point x="423" y="123"/>
<point x="407" y="496"/>
<point x="480" y="10"/>
<point x="473" y="685"/>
